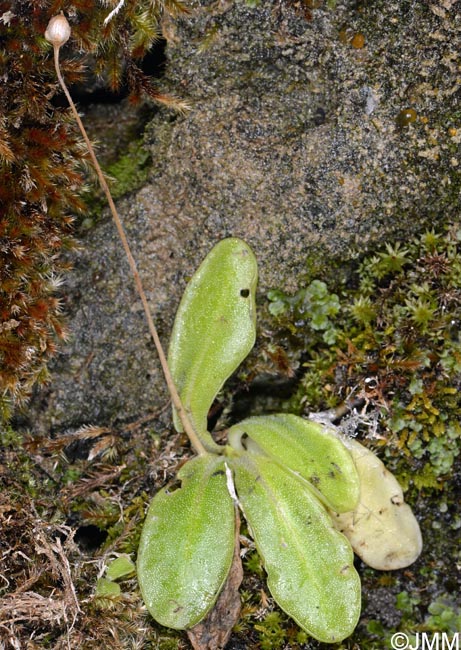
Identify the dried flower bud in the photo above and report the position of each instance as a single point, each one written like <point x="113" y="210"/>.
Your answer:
<point x="58" y="30"/>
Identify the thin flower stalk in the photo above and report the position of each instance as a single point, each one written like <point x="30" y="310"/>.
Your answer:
<point x="57" y="33"/>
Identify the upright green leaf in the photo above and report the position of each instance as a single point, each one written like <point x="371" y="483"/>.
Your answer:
<point x="187" y="544"/>
<point x="310" y="566"/>
<point x="309" y="449"/>
<point x="382" y="528"/>
<point x="214" y="328"/>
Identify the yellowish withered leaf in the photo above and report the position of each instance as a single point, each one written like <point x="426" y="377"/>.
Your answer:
<point x="382" y="529"/>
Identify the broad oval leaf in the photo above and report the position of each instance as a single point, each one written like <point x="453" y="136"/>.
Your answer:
<point x="214" y="328"/>
<point x="187" y="544"/>
<point x="309" y="565"/>
<point x="382" y="529"/>
<point x="310" y="449"/>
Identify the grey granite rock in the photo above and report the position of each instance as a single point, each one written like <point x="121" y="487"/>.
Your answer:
<point x="293" y="143"/>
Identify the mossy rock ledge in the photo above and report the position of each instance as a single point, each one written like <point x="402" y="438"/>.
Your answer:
<point x="316" y="135"/>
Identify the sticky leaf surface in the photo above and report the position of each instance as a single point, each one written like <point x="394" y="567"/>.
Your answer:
<point x="382" y="529"/>
<point x="214" y="328"/>
<point x="309" y="449"/>
<point x="309" y="564"/>
<point x="187" y="544"/>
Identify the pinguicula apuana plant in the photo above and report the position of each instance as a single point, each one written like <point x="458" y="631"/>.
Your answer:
<point x="309" y="495"/>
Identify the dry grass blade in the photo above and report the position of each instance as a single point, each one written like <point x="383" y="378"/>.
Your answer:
<point x="39" y="559"/>
<point x="100" y="477"/>
<point x="30" y="606"/>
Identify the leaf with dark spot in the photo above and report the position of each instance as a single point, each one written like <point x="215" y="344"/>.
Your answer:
<point x="311" y="450"/>
<point x="214" y="328"/>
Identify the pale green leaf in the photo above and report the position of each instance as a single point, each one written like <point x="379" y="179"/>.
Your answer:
<point x="214" y="328"/>
<point x="187" y="544"/>
<point x="310" y="566"/>
<point x="310" y="449"/>
<point x="120" y="568"/>
<point x="107" y="589"/>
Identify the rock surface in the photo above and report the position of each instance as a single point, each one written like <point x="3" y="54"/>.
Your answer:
<point x="296" y="142"/>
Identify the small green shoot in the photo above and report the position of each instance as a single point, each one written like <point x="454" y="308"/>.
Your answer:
<point x="121" y="567"/>
<point x="107" y="589"/>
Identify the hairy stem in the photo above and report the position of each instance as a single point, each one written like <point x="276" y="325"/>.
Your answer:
<point x="185" y="421"/>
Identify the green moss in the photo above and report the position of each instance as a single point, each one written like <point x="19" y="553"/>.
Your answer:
<point x="253" y="564"/>
<point x="388" y="340"/>
<point x="314" y="302"/>
<point x="271" y="631"/>
<point x="167" y="643"/>
<point x="130" y="171"/>
<point x="444" y="615"/>
<point x="19" y="464"/>
<point x="125" y="175"/>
